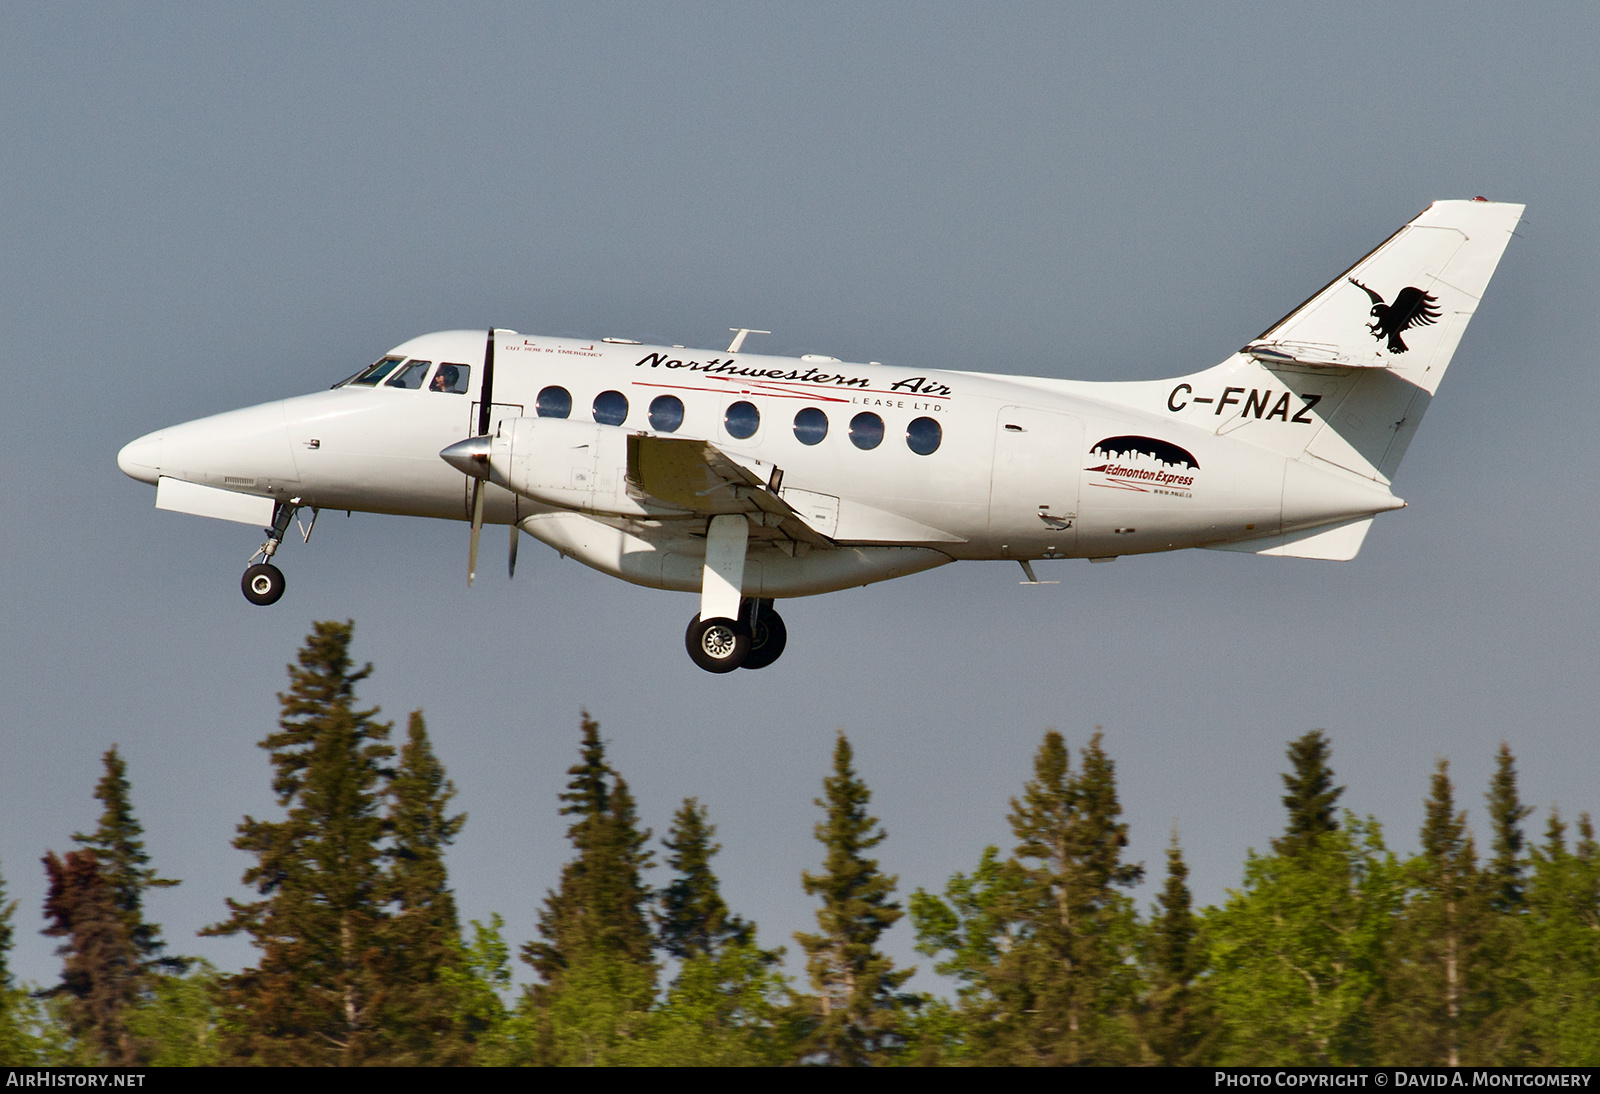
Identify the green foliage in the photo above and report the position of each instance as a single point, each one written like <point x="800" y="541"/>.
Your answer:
<point x="1438" y="974"/>
<point x="1043" y="944"/>
<point x="8" y="937"/>
<point x="694" y="920"/>
<point x="101" y="975"/>
<point x="361" y="953"/>
<point x="423" y="1021"/>
<point x="476" y="983"/>
<point x="1561" y="962"/>
<point x="178" y="1023"/>
<point x="595" y="963"/>
<point x="316" y="997"/>
<point x="971" y="925"/>
<point x="857" y="1010"/>
<point x="118" y="845"/>
<point x="1298" y="951"/>
<point x="20" y="1013"/>
<point x="1506" y="814"/>
<point x="1067" y="987"/>
<point x="1311" y="797"/>
<point x="1177" y="1020"/>
<point x="730" y="1008"/>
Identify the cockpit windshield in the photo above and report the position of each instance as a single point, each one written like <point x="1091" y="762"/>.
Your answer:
<point x="411" y="375"/>
<point x="373" y="376"/>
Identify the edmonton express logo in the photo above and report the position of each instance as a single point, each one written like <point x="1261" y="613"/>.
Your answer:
<point x="1145" y="465"/>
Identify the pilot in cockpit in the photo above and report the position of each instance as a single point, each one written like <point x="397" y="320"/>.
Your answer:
<point x="446" y="379"/>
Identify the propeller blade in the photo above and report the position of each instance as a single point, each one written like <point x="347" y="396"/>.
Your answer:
<point x="511" y="559"/>
<point x="486" y="393"/>
<point x="477" y="529"/>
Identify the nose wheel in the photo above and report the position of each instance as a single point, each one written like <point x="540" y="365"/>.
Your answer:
<point x="262" y="583"/>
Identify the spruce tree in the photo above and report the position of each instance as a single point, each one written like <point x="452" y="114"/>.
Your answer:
<point x="1311" y="796"/>
<point x="1436" y="971"/>
<point x="124" y="865"/>
<point x="423" y="1021"/>
<point x="8" y="937"/>
<point x="1068" y="990"/>
<point x="101" y="976"/>
<point x="1506" y="814"/>
<point x="857" y="1009"/>
<point x="1560" y="965"/>
<point x="595" y="963"/>
<point x="317" y="995"/>
<point x="1298" y="951"/>
<point x="18" y="1047"/>
<point x="693" y="920"/>
<point x="1178" y="1020"/>
<point x="728" y="1003"/>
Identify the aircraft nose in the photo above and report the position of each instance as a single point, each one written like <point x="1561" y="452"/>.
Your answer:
<point x="141" y="459"/>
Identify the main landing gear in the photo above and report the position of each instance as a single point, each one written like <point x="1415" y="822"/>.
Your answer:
<point x="753" y="641"/>
<point x="263" y="582"/>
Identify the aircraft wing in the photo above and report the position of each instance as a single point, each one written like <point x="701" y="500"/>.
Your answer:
<point x="698" y="476"/>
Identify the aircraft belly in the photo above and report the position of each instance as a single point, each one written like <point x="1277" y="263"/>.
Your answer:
<point x="675" y="560"/>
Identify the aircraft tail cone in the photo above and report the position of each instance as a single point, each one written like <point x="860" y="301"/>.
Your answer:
<point x="470" y="457"/>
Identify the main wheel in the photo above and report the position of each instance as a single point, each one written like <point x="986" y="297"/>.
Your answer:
<point x="767" y="638"/>
<point x="262" y="583"/>
<point x="717" y="645"/>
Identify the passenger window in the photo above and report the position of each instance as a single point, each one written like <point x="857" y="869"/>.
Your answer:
<point x="923" y="436"/>
<point x="451" y="379"/>
<point x="810" y="425"/>
<point x="553" y="402"/>
<point x="866" y="430"/>
<point x="611" y="408"/>
<point x="666" y="413"/>
<point x="742" y="420"/>
<point x="410" y="376"/>
<point x="374" y="375"/>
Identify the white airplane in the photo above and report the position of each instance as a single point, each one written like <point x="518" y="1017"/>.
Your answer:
<point x="749" y="478"/>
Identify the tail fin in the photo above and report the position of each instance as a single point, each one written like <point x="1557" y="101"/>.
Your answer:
<point x="1404" y="306"/>
<point x="1366" y="353"/>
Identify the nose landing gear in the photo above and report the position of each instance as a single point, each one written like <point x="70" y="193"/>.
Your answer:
<point x="263" y="582"/>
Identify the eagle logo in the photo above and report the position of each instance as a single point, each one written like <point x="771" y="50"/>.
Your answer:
<point x="1412" y="308"/>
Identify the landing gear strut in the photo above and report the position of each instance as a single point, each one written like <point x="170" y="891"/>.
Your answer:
<point x="731" y="631"/>
<point x="263" y="582"/>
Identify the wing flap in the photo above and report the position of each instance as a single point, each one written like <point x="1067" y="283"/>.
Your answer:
<point x="697" y="476"/>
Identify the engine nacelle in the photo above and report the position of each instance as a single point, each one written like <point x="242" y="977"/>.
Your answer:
<point x="575" y="465"/>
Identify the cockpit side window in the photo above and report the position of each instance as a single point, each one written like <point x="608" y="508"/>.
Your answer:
<point x="451" y="379"/>
<point x="374" y="375"/>
<point x="410" y="376"/>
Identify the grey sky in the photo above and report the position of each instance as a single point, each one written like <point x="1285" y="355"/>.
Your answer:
<point x="211" y="206"/>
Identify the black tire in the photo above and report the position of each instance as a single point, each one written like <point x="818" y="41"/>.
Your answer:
<point x="717" y="645"/>
<point x="262" y="584"/>
<point x="767" y="639"/>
